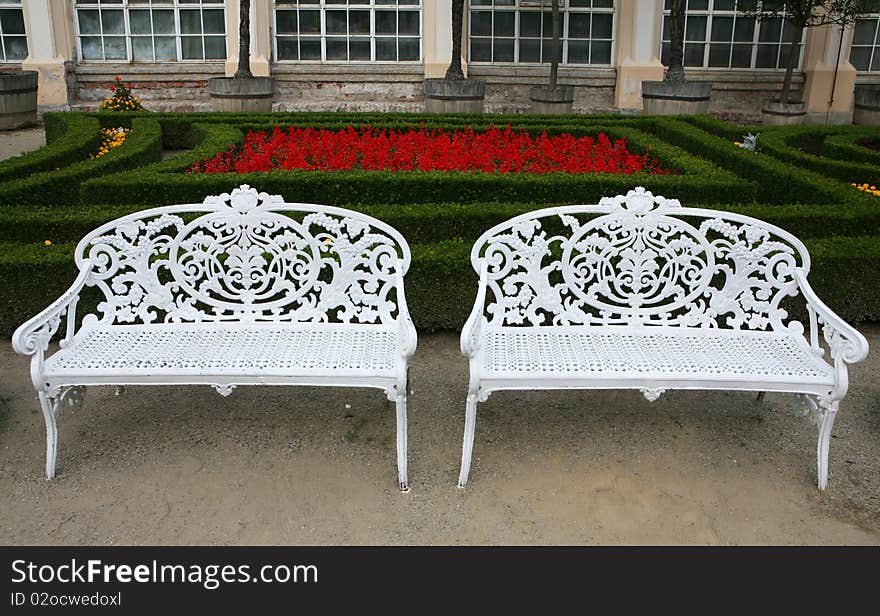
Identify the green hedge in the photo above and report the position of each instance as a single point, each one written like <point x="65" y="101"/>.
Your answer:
<point x="61" y="187"/>
<point x="441" y="285"/>
<point x="848" y="147"/>
<point x="73" y="140"/>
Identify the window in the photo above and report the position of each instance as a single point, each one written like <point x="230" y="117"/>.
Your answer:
<point x="348" y="31"/>
<point x="520" y="31"/>
<point x="151" y="30"/>
<point x="717" y="36"/>
<point x="13" y="42"/>
<point x="865" y="53"/>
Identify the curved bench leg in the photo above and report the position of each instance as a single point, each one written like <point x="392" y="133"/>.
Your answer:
<point x="825" y="422"/>
<point x="49" y="414"/>
<point x="401" y="441"/>
<point x="467" y="448"/>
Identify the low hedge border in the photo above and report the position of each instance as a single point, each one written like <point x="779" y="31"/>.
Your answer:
<point x="778" y="181"/>
<point x="73" y="140"/>
<point x="61" y="187"/>
<point x="847" y="147"/>
<point x="441" y="285"/>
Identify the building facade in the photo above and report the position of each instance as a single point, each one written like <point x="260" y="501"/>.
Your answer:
<point x="375" y="54"/>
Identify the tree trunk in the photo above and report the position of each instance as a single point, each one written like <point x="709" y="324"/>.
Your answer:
<point x="244" y="41"/>
<point x="675" y="70"/>
<point x="454" y="71"/>
<point x="785" y="95"/>
<point x="557" y="47"/>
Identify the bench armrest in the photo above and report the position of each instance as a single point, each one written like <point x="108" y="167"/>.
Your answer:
<point x="34" y="335"/>
<point x="470" y="333"/>
<point x="406" y="331"/>
<point x="846" y="344"/>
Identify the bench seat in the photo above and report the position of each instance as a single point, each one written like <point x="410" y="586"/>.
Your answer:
<point x="191" y="353"/>
<point x="620" y="356"/>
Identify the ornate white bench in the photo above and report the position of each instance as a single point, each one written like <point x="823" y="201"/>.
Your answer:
<point x="641" y="293"/>
<point x="243" y="289"/>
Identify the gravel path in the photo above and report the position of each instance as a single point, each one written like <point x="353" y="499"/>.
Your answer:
<point x="168" y="465"/>
<point x="15" y="142"/>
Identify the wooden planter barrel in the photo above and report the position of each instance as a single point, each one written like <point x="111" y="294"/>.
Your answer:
<point x="454" y="95"/>
<point x="866" y="107"/>
<point x="774" y="113"/>
<point x="18" y="99"/>
<point x="252" y="94"/>
<point x="548" y="100"/>
<point x="676" y="97"/>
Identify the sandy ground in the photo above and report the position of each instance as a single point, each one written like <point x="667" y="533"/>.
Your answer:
<point x="169" y="465"/>
<point x="15" y="142"/>
<point x="316" y="466"/>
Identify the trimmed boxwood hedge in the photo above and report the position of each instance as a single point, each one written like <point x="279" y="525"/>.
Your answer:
<point x="849" y="146"/>
<point x="440" y="285"/>
<point x="61" y="187"/>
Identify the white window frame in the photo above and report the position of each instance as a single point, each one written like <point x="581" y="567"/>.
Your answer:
<point x="710" y="13"/>
<point x="323" y="6"/>
<point x="3" y="57"/>
<point x="126" y="5"/>
<point x="875" y="17"/>
<point x="542" y="6"/>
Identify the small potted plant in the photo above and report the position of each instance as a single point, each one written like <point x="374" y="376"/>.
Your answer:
<point x="243" y="91"/>
<point x="553" y="98"/>
<point x="455" y="93"/>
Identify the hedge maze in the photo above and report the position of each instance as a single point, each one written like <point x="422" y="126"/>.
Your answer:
<point x="800" y="179"/>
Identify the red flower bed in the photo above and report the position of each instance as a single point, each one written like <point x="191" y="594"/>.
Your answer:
<point x="493" y="150"/>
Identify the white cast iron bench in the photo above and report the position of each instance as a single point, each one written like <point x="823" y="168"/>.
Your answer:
<point x="641" y="293"/>
<point x="242" y="289"/>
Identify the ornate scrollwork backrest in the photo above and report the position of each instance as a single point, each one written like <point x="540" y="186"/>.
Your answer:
<point x="638" y="260"/>
<point x="246" y="256"/>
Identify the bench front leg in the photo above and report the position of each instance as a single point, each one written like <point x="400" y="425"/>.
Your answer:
<point x="400" y="403"/>
<point x="467" y="447"/>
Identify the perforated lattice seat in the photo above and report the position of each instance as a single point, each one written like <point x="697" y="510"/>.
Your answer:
<point x="206" y="349"/>
<point x="649" y="353"/>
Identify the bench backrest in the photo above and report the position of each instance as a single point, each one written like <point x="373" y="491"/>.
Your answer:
<point x="246" y="256"/>
<point x="638" y="260"/>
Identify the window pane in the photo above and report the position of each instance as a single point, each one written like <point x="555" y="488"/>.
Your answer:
<point x="386" y="49"/>
<point x="766" y="57"/>
<point x="163" y="22"/>
<point x="697" y="5"/>
<point x="336" y="22"/>
<point x="481" y="50"/>
<point x="191" y="23"/>
<point x="719" y="54"/>
<point x="503" y="50"/>
<point x="114" y="48"/>
<point x="744" y="30"/>
<point x="724" y="5"/>
<point x="215" y="47"/>
<point x="92" y="48"/>
<point x="12" y="21"/>
<point x="481" y="23"/>
<point x="309" y="22"/>
<point x="530" y="24"/>
<point x="864" y="32"/>
<point x="287" y="49"/>
<point x="409" y="49"/>
<point x="693" y="54"/>
<point x="722" y="29"/>
<point x="504" y="26"/>
<point x="142" y="49"/>
<point x="191" y="48"/>
<point x="166" y="48"/>
<point x="113" y="22"/>
<point x="875" y="60"/>
<point x="860" y="57"/>
<point x="602" y="26"/>
<point x="359" y="49"/>
<point x="409" y="22"/>
<point x="309" y="49"/>
<point x="600" y="52"/>
<point x="578" y="52"/>
<point x="16" y="47"/>
<point x="386" y="23"/>
<point x="285" y="22"/>
<point x="770" y="30"/>
<point x="529" y="50"/>
<point x="140" y="22"/>
<point x="89" y="22"/>
<point x="579" y="25"/>
<point x="741" y="57"/>
<point x="359" y="22"/>
<point x="337" y="49"/>
<point x="214" y="22"/>
<point x="695" y="29"/>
